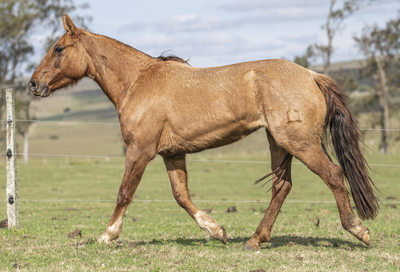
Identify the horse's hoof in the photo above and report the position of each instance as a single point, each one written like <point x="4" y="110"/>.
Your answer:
<point x="104" y="238"/>
<point x="365" y="237"/>
<point x="221" y="235"/>
<point x="249" y="246"/>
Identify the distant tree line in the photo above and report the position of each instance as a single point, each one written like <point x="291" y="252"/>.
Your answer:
<point x="378" y="74"/>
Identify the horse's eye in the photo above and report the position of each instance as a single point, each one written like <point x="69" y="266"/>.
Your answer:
<point x="58" y="49"/>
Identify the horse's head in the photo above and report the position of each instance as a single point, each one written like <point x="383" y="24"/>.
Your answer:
<point x="63" y="65"/>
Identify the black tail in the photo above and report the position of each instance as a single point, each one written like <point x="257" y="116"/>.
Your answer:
<point x="345" y="138"/>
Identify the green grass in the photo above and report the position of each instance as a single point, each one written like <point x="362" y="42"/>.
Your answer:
<point x="160" y="236"/>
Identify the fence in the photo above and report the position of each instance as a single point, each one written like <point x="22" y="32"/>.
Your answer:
<point x="12" y="186"/>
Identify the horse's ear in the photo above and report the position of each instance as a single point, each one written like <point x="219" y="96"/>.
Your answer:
<point x="69" y="26"/>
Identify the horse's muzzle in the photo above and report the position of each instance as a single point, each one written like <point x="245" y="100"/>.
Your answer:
<point x="37" y="89"/>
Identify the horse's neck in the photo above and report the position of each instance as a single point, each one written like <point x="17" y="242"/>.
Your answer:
<point x="116" y="67"/>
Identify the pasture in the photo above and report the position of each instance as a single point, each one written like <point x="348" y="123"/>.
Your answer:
<point x="64" y="194"/>
<point x="160" y="236"/>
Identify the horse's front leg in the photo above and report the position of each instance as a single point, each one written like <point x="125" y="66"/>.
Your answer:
<point x="176" y="167"/>
<point x="135" y="165"/>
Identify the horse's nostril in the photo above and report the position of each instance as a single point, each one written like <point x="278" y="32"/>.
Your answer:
<point x="32" y="86"/>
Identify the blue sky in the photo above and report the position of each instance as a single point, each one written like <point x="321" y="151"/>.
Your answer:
<point x="220" y="32"/>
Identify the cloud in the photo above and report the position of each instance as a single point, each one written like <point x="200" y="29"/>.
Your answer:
<point x="195" y="23"/>
<point x="192" y="23"/>
<point x="275" y="15"/>
<point x="306" y="39"/>
<point x="256" y="5"/>
<point x="133" y="26"/>
<point x="246" y="12"/>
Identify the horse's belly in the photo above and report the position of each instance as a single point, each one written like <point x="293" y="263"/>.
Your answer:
<point x="183" y="143"/>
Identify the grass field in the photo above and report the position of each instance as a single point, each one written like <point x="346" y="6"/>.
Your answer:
<point x="63" y="194"/>
<point x="160" y="236"/>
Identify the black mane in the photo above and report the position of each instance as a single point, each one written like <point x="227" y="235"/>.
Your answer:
<point x="172" y="58"/>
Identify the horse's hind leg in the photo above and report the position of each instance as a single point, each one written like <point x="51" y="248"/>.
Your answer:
<point x="333" y="176"/>
<point x="282" y="183"/>
<point x="176" y="167"/>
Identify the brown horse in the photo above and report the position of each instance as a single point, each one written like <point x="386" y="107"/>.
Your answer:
<point x="169" y="108"/>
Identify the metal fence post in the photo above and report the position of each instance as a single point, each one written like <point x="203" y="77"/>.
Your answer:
<point x="11" y="158"/>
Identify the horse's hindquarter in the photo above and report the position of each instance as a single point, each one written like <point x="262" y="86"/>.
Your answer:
<point x="294" y="105"/>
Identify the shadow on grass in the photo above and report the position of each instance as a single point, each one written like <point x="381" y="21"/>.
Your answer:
<point x="289" y="240"/>
<point x="275" y="242"/>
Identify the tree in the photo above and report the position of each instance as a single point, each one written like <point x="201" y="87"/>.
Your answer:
<point x="381" y="47"/>
<point x="347" y="80"/>
<point x="305" y="59"/>
<point x="334" y="24"/>
<point x="18" y="21"/>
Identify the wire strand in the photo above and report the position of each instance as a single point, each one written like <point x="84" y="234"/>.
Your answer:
<point x="66" y="155"/>
<point x="117" y="124"/>
<point x="64" y="122"/>
<point x="166" y="200"/>
<point x="193" y="160"/>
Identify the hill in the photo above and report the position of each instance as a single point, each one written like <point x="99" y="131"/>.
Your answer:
<point x="343" y="65"/>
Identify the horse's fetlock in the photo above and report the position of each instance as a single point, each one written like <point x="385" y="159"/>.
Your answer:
<point x="265" y="236"/>
<point x="353" y="221"/>
<point x="252" y="244"/>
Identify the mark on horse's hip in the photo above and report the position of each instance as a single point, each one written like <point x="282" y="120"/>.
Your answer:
<point x="293" y="115"/>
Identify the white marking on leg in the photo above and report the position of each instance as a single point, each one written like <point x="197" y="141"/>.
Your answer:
<point x="112" y="232"/>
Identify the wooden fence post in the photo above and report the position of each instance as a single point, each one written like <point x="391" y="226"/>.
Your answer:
<point x="11" y="157"/>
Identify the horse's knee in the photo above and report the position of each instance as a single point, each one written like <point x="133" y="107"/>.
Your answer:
<point x="122" y="199"/>
<point x="125" y="196"/>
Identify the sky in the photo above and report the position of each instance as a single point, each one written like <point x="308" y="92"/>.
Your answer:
<point x="221" y="32"/>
